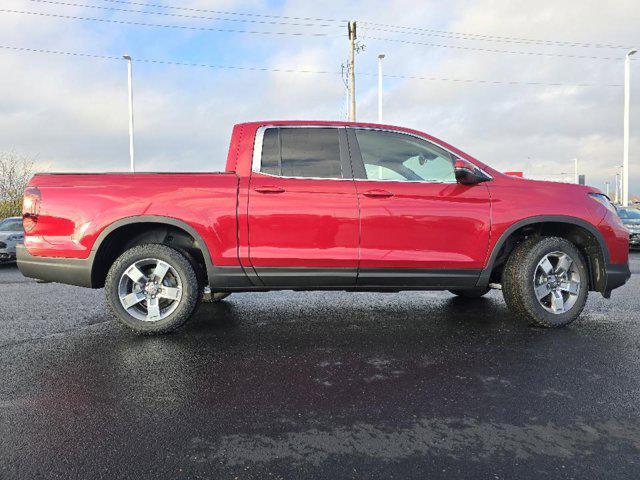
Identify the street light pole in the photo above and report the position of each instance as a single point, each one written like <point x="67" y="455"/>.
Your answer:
<point x="352" y="70"/>
<point x="130" y="76"/>
<point x="380" y="57"/>
<point x="627" y="95"/>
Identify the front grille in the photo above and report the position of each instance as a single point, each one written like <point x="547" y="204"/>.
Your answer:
<point x="3" y="245"/>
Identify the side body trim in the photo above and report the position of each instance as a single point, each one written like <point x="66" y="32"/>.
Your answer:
<point x="301" y="278"/>
<point x="418" y="277"/>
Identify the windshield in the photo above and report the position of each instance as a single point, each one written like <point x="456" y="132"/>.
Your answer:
<point x="629" y="213"/>
<point x="11" y="225"/>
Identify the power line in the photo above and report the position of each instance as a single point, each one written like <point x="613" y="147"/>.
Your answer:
<point x="487" y="38"/>
<point x="490" y="50"/>
<point x="221" y="12"/>
<point x="292" y="70"/>
<point x="313" y="34"/>
<point x="375" y="25"/>
<point x="181" y="27"/>
<point x="477" y="36"/>
<point x="181" y="15"/>
<point x="498" y="82"/>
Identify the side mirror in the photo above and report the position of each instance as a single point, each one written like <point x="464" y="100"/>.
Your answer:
<point x="467" y="173"/>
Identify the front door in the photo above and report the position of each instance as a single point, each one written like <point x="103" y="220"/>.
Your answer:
<point x="419" y="227"/>
<point x="303" y="209"/>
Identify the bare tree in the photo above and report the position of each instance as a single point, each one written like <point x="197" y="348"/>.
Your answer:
<point x="15" y="172"/>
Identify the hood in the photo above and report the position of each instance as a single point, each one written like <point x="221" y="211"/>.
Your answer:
<point x="544" y="184"/>
<point x="631" y="221"/>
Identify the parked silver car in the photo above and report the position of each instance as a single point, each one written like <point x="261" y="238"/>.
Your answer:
<point x="11" y="233"/>
<point x="631" y="218"/>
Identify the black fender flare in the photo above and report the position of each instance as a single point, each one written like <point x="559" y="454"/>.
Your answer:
<point x="162" y="220"/>
<point x="485" y="274"/>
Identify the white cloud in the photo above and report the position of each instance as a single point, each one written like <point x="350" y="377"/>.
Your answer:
<point x="72" y="113"/>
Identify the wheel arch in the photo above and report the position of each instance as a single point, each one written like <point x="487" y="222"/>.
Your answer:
<point x="109" y="243"/>
<point x="591" y="243"/>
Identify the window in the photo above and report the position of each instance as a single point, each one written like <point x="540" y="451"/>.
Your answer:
<point x="400" y="157"/>
<point x="301" y="152"/>
<point x="11" y="225"/>
<point x="271" y="152"/>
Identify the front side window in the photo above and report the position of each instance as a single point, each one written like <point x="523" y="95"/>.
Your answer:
<point x="301" y="152"/>
<point x="400" y="157"/>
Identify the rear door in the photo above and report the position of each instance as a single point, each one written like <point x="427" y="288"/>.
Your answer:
<point x="303" y="208"/>
<point x="419" y="226"/>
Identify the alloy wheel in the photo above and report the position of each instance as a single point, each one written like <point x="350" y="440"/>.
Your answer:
<point x="557" y="282"/>
<point x="150" y="290"/>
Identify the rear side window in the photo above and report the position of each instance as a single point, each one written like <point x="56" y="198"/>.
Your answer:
<point x="301" y="152"/>
<point x="271" y="152"/>
<point x="400" y="157"/>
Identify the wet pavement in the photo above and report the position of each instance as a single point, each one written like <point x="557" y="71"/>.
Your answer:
<point x="317" y="385"/>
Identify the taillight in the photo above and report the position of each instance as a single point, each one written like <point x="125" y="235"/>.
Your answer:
<point x="31" y="208"/>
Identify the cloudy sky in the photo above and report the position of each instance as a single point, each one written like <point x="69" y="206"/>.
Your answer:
<point x="483" y="86"/>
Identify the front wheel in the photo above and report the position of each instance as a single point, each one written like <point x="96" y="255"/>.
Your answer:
<point x="546" y="281"/>
<point x="152" y="289"/>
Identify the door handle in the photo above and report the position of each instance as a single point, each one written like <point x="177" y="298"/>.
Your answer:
<point x="378" y="193"/>
<point x="269" y="189"/>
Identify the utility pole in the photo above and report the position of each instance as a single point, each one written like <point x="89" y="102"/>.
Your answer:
<point x="575" y="171"/>
<point x="617" y="195"/>
<point x="606" y="188"/>
<point x="380" y="57"/>
<point x="625" y="161"/>
<point x="352" y="70"/>
<point x="130" y="71"/>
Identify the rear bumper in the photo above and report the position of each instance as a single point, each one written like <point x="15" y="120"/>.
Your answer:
<point x="616" y="276"/>
<point x="72" y="271"/>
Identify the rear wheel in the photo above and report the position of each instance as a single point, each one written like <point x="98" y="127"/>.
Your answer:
<point x="471" y="292"/>
<point x="152" y="289"/>
<point x="546" y="281"/>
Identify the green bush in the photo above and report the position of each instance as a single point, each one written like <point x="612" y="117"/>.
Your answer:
<point x="10" y="208"/>
<point x="15" y="172"/>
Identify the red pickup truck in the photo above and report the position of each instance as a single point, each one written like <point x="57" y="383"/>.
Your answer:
<point x="323" y="206"/>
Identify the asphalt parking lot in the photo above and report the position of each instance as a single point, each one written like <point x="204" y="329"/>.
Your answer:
<point x="317" y="385"/>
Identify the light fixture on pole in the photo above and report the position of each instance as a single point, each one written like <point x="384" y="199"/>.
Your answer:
<point x="380" y="57"/>
<point x="130" y="76"/>
<point x="627" y="95"/>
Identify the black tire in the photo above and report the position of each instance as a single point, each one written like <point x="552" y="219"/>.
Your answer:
<point x="191" y="290"/>
<point x="471" y="292"/>
<point x="518" y="285"/>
